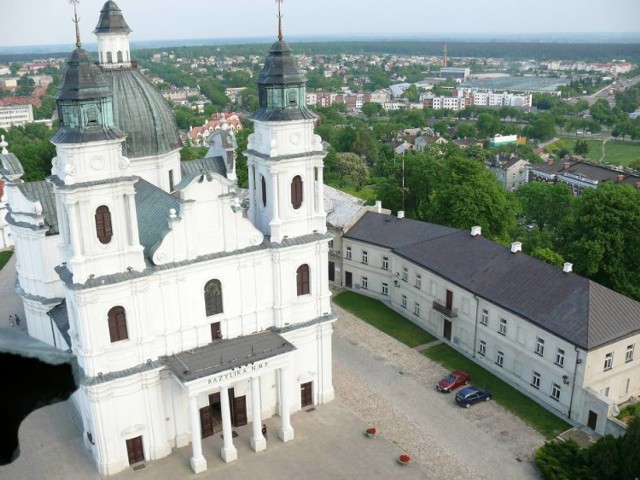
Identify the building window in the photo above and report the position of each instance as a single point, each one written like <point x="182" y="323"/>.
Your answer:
<point x="119" y="56"/>
<point x="171" y="185"/>
<point x="500" y="358"/>
<point x="365" y="257"/>
<point x="540" y="346"/>
<point x="606" y="391"/>
<point x="385" y="289"/>
<point x="365" y="283"/>
<point x="483" y="348"/>
<point x="484" y="318"/>
<point x="331" y="244"/>
<point x="403" y="301"/>
<point x="302" y="279"/>
<point x="560" y="357"/>
<point x="109" y="57"/>
<point x="418" y="281"/>
<point x="385" y="263"/>
<point x="503" y="327"/>
<point x="213" y="297"/>
<point x="347" y="253"/>
<point x="535" y="380"/>
<point x="416" y="309"/>
<point x="263" y="187"/>
<point x="117" y="324"/>
<point x="296" y="192"/>
<point x="626" y="390"/>
<point x="104" y="231"/>
<point x="555" y="392"/>
<point x="629" y="355"/>
<point x="405" y="274"/>
<point x="608" y="361"/>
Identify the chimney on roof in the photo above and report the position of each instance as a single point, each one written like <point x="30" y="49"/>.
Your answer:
<point x="379" y="206"/>
<point x="516" y="247"/>
<point x="566" y="165"/>
<point x="400" y="214"/>
<point x="476" y="230"/>
<point x="549" y="161"/>
<point x="620" y="178"/>
<point x="567" y="267"/>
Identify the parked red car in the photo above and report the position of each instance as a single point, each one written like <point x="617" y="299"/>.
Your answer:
<point x="453" y="380"/>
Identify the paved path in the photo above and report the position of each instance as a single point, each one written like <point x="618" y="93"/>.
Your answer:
<point x="394" y="390"/>
<point x="424" y="346"/>
<point x="10" y="302"/>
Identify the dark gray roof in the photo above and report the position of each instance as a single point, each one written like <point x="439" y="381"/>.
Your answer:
<point x="82" y="79"/>
<point x="203" y="165"/>
<point x="141" y="112"/>
<point x="60" y="317"/>
<point x="583" y="312"/>
<point x="89" y="133"/>
<point x="152" y="207"/>
<point x="42" y="191"/>
<point x="221" y="355"/>
<point x="281" y="67"/>
<point x="10" y="166"/>
<point x="111" y="20"/>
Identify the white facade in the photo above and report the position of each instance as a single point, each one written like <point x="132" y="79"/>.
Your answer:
<point x="583" y="386"/>
<point x="186" y="317"/>
<point x="17" y="115"/>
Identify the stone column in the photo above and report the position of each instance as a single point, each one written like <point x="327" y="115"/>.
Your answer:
<point x="198" y="462"/>
<point x="228" y="451"/>
<point x="252" y="192"/>
<point x="286" y="430"/>
<point x="258" y="442"/>
<point x="74" y="230"/>
<point x="320" y="205"/>
<point x="275" y="223"/>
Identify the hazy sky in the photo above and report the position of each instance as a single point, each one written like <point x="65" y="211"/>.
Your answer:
<point x="36" y="22"/>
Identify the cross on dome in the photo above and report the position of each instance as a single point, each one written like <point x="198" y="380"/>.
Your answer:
<point x="279" y="2"/>
<point x="76" y="20"/>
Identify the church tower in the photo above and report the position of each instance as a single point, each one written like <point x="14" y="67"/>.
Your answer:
<point x="284" y="156"/>
<point x="92" y="180"/>
<point x="113" y="38"/>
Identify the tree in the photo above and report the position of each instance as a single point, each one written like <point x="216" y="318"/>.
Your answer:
<point x="629" y="451"/>
<point x="601" y="236"/>
<point x="542" y="127"/>
<point x="604" y="458"/>
<point x="471" y="195"/>
<point x="242" y="139"/>
<point x="411" y="93"/>
<point x="370" y="109"/>
<point x="192" y="153"/>
<point x="466" y="130"/>
<point x="543" y="204"/>
<point x="350" y="169"/>
<point x="487" y="125"/>
<point x="581" y="147"/>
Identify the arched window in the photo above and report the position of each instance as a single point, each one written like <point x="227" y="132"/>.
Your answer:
<point x="213" y="297"/>
<point x="103" y="224"/>
<point x="119" y="54"/>
<point x="263" y="185"/>
<point x="109" y="57"/>
<point x="293" y="98"/>
<point x="302" y="279"/>
<point x="296" y="192"/>
<point x="92" y="115"/>
<point x="117" y="324"/>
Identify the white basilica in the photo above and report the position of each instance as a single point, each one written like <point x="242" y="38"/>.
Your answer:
<point x="188" y="314"/>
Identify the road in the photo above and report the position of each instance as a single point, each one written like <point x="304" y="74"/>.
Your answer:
<point x="603" y="93"/>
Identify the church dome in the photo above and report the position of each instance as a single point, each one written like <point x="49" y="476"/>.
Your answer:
<point x="111" y="20"/>
<point x="142" y="112"/>
<point x="82" y="79"/>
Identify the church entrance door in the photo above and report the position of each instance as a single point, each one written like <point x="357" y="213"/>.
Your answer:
<point x="206" y="421"/>
<point x="216" y="412"/>
<point x="348" y="279"/>
<point x="134" y="450"/>
<point x="306" y="394"/>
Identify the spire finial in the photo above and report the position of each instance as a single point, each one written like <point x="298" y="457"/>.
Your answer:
<point x="76" y="20"/>
<point x="279" y="2"/>
<point x="4" y="145"/>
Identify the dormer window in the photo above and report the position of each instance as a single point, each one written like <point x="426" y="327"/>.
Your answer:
<point x="92" y="115"/>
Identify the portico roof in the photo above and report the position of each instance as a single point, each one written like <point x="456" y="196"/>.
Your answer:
<point x="222" y="355"/>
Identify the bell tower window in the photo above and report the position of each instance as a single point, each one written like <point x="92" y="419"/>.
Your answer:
<point x="92" y="115"/>
<point x="292" y="98"/>
<point x="263" y="186"/>
<point x="109" y="57"/>
<point x="117" y="324"/>
<point x="296" y="192"/>
<point x="120" y="57"/>
<point x="302" y="279"/>
<point x="104" y="231"/>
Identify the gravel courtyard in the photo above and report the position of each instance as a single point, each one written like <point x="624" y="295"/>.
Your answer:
<point x="392" y="387"/>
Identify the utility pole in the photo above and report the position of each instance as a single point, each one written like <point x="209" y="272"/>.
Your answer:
<point x="444" y="64"/>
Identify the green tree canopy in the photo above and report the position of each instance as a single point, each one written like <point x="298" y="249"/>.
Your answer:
<point x="471" y="196"/>
<point x="543" y="204"/>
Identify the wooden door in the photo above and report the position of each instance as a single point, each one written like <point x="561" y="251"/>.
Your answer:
<point x="306" y="394"/>
<point x="216" y="411"/>
<point x="593" y="420"/>
<point x="215" y="331"/>
<point x="347" y="279"/>
<point x="447" y="329"/>
<point x="134" y="450"/>
<point x="449" y="300"/>
<point x="240" y="411"/>
<point x="206" y="421"/>
<point x="332" y="271"/>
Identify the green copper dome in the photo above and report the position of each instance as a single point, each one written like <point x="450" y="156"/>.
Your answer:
<point x="142" y="113"/>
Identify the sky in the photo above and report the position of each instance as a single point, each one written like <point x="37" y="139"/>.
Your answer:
<point x="47" y="22"/>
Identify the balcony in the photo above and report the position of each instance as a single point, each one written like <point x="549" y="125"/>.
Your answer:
<point x="447" y="312"/>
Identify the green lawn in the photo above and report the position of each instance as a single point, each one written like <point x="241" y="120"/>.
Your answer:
<point x="519" y="404"/>
<point x="5" y="255"/>
<point x="383" y="318"/>
<point x="616" y="153"/>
